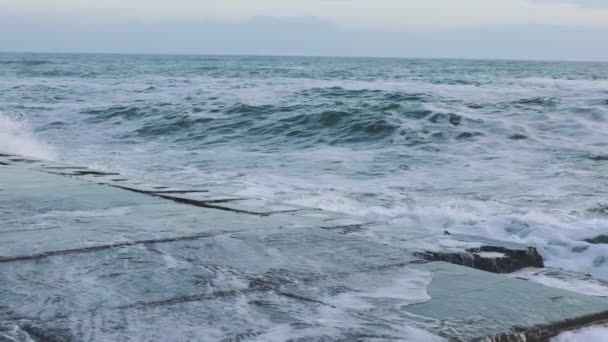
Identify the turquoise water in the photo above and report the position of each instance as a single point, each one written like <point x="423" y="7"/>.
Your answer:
<point x="505" y="149"/>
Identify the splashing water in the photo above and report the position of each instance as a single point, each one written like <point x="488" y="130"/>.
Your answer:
<point x="595" y="334"/>
<point x="16" y="137"/>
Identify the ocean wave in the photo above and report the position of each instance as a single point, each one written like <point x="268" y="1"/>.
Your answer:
<point x="332" y="116"/>
<point x="537" y="101"/>
<point x="118" y="112"/>
<point x="25" y="62"/>
<point x="16" y="137"/>
<point x="60" y="73"/>
<point x="294" y="125"/>
<point x="506" y="150"/>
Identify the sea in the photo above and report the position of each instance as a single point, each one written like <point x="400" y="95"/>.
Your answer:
<point x="508" y="150"/>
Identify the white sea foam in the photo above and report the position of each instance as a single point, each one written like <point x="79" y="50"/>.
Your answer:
<point x="592" y="334"/>
<point x="345" y="311"/>
<point x="415" y="200"/>
<point x="409" y="287"/>
<point x="16" y="137"/>
<point x="558" y="234"/>
<point x="571" y="282"/>
<point x="491" y="255"/>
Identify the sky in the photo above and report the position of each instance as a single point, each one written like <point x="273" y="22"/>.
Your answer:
<point x="505" y="29"/>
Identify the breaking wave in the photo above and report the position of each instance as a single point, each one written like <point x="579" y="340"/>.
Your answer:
<point x="16" y="137"/>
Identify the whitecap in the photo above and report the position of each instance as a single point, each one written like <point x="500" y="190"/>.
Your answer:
<point x="17" y="137"/>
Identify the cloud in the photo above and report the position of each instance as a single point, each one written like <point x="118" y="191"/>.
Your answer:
<point x="304" y="36"/>
<point x="595" y="4"/>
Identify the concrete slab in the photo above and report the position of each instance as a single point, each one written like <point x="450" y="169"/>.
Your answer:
<point x="258" y="279"/>
<point x="50" y="192"/>
<point x="470" y="304"/>
<point x="146" y="272"/>
<point x="50" y="214"/>
<point x="245" y="316"/>
<point x="89" y="229"/>
<point x="257" y="206"/>
<point x="81" y="261"/>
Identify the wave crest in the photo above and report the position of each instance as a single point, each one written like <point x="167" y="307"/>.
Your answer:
<point x="16" y="137"/>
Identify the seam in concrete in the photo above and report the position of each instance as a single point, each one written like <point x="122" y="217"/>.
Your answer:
<point x="255" y="285"/>
<point x="346" y="229"/>
<point x="166" y="194"/>
<point x="189" y="299"/>
<point x="210" y="204"/>
<point x="304" y="299"/>
<point x="198" y="203"/>
<point x="108" y="246"/>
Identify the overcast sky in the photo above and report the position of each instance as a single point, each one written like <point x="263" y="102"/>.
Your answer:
<point x="531" y="29"/>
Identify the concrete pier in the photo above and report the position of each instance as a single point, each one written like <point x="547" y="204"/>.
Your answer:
<point x="87" y="255"/>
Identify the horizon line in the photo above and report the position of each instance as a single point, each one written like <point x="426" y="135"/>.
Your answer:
<point x="192" y="54"/>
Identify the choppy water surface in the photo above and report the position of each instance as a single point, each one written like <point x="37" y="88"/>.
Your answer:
<point x="504" y="149"/>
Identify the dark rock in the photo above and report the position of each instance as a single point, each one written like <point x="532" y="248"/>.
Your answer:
<point x="602" y="239"/>
<point x="513" y="259"/>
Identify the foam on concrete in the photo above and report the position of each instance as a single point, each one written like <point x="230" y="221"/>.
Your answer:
<point x="83" y="258"/>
